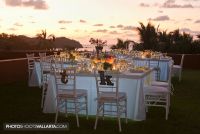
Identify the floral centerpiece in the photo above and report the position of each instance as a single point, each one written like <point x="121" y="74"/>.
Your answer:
<point x="99" y="44"/>
<point x="105" y="61"/>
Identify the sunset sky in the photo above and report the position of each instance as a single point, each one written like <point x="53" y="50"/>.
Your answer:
<point x="104" y="19"/>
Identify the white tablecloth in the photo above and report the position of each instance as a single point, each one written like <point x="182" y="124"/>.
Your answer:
<point x="132" y="86"/>
<point x="163" y="65"/>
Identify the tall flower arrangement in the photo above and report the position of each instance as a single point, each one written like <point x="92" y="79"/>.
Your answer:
<point x="99" y="44"/>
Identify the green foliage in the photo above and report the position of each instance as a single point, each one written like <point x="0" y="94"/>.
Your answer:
<point x="121" y="44"/>
<point x="42" y="41"/>
<point x="173" y="42"/>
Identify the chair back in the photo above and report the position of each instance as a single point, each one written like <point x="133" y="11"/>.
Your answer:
<point x="155" y="63"/>
<point x="42" y="55"/>
<point x="31" y="61"/>
<point x="66" y="80"/>
<point x="107" y="82"/>
<point x="170" y="67"/>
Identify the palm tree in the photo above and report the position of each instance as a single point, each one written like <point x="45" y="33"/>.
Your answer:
<point x="182" y="42"/>
<point x="164" y="41"/>
<point x="45" y="42"/>
<point x="148" y="36"/>
<point x="121" y="44"/>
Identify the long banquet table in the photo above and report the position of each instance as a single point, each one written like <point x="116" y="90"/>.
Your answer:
<point x="131" y="83"/>
<point x="164" y="64"/>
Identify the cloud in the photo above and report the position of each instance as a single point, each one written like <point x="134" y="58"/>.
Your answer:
<point x="112" y="26"/>
<point x="82" y="21"/>
<point x="171" y="4"/>
<point x="187" y="30"/>
<point x="63" y="28"/>
<point x="161" y="18"/>
<point x="144" y="5"/>
<point x="114" y="32"/>
<point x="188" y="19"/>
<point x="129" y="28"/>
<point x="191" y="0"/>
<point x="36" y="4"/>
<point x="101" y="30"/>
<point x="12" y="29"/>
<point x="18" y="24"/>
<point x="120" y="26"/>
<point x="98" y="25"/>
<point x="32" y="22"/>
<point x="13" y="2"/>
<point x="197" y="21"/>
<point x="64" y="21"/>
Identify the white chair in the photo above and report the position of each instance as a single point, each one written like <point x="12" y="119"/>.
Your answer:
<point x="45" y="64"/>
<point x="167" y="83"/>
<point x="31" y="60"/>
<point x="155" y="63"/>
<point x="109" y="100"/>
<point x="42" y="55"/>
<point x="177" y="69"/>
<point x="158" y="94"/>
<point x="67" y="93"/>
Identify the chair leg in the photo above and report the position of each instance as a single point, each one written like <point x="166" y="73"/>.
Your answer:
<point x="86" y="104"/>
<point x="103" y="111"/>
<point x="118" y="116"/>
<point x="167" y="106"/>
<point x="97" y="116"/>
<point x="42" y="101"/>
<point x="56" y="118"/>
<point x="126" y="111"/>
<point x="76" y="111"/>
<point x="66" y="113"/>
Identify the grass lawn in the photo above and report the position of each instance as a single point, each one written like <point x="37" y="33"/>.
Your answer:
<point x="20" y="103"/>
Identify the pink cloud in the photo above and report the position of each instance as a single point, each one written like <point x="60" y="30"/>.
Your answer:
<point x="114" y="32"/>
<point x="98" y="25"/>
<point x="112" y="26"/>
<point x="101" y="30"/>
<point x="36" y="4"/>
<point x="63" y="28"/>
<point x="144" y="5"/>
<point x="82" y="21"/>
<point x="171" y="4"/>
<point x="64" y="21"/>
<point x="120" y="26"/>
<point x="18" y="24"/>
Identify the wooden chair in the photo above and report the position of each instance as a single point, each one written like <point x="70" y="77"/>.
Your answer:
<point x="177" y="69"/>
<point x="109" y="100"/>
<point x="67" y="93"/>
<point x="158" y="94"/>
<point x="31" y="60"/>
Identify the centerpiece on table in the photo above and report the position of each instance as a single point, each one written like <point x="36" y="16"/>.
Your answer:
<point x="99" y="44"/>
<point x="104" y="62"/>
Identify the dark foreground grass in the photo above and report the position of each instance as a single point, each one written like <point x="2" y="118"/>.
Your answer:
<point x="21" y="104"/>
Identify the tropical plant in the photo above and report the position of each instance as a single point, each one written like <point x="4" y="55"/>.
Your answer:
<point x="122" y="44"/>
<point x="45" y="42"/>
<point x="148" y="36"/>
<point x="97" y="42"/>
